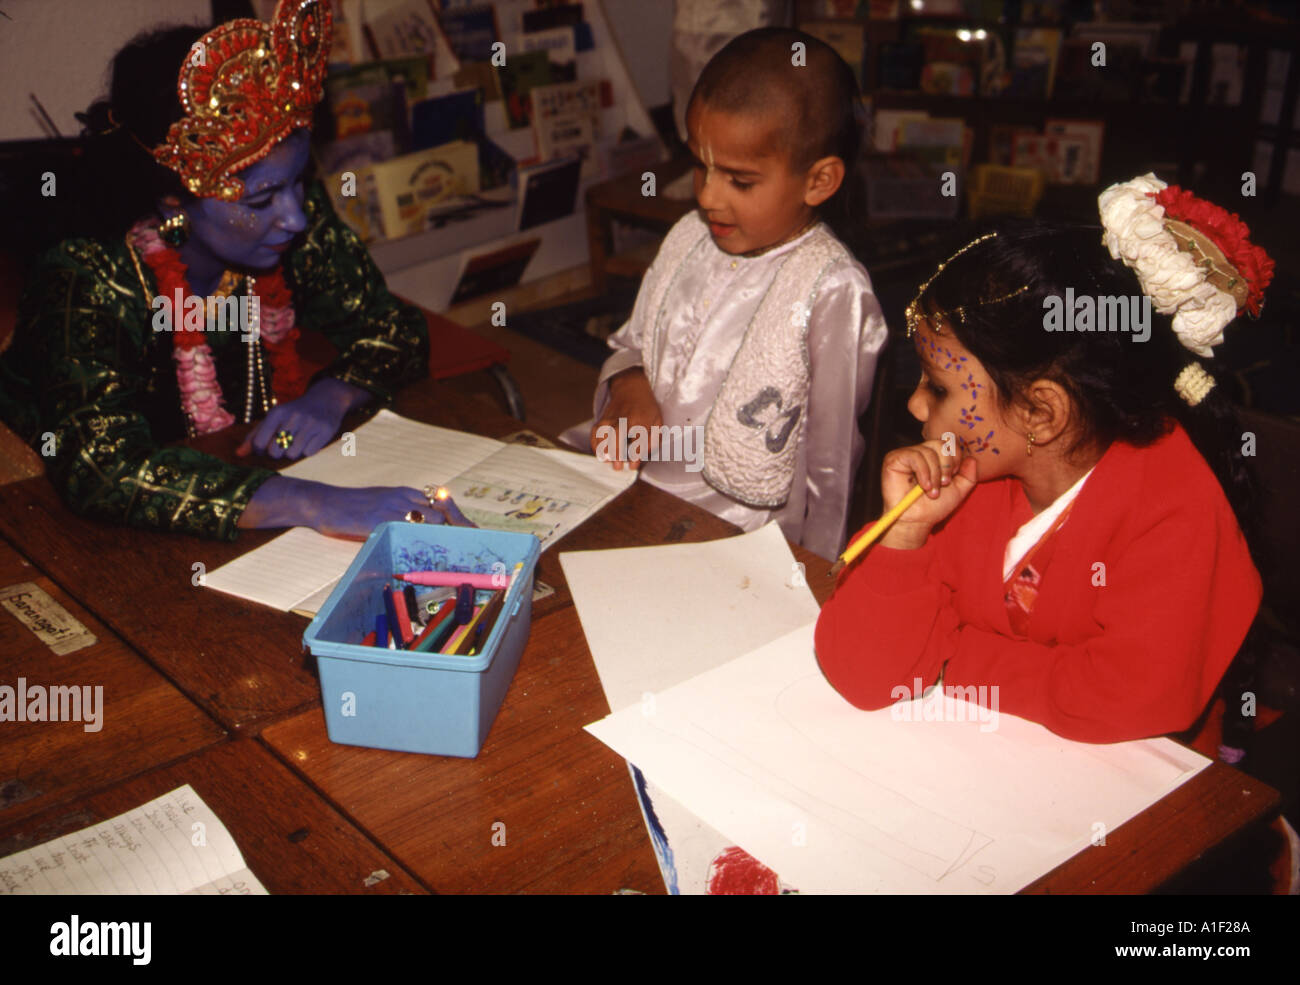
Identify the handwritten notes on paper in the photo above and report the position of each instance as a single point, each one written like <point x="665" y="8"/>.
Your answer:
<point x="504" y="487"/>
<point x="172" y="845"/>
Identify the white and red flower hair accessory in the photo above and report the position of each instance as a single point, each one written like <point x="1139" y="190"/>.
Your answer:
<point x="1194" y="260"/>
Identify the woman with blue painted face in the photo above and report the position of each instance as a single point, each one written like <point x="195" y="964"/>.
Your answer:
<point x="177" y="314"/>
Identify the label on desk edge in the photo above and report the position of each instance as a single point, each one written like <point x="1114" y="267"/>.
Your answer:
<point x="52" y="624"/>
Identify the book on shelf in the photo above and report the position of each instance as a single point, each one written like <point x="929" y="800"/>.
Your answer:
<point x="497" y="270"/>
<point x="848" y="38"/>
<point x="518" y="76"/>
<point x="942" y="142"/>
<point x="356" y="200"/>
<point x="566" y="119"/>
<point x="363" y="100"/>
<point x="887" y="125"/>
<point x="414" y="73"/>
<point x="479" y="75"/>
<point x="471" y="31"/>
<point x="1002" y="138"/>
<point x="1227" y="74"/>
<point x="410" y="185"/>
<point x="1060" y="159"/>
<point x="547" y="191"/>
<point x="560" y="15"/>
<point x="441" y="119"/>
<point x="355" y="152"/>
<point x="954" y="61"/>
<point x="401" y="27"/>
<point x="1091" y="132"/>
<point x="1033" y="62"/>
<point x="560" y="48"/>
<point x="346" y="47"/>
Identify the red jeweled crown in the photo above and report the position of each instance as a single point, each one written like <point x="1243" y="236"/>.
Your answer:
<point x="244" y="87"/>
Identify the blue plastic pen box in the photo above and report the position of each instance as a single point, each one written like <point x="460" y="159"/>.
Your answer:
<point x="410" y="701"/>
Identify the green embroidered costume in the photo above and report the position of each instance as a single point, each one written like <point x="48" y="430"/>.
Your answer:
<point x="88" y="375"/>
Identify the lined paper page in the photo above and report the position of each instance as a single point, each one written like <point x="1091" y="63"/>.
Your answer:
<point x="284" y="572"/>
<point x="389" y="450"/>
<point x="172" y="845"/>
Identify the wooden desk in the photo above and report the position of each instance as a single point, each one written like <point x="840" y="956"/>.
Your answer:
<point x="544" y="808"/>
<point x="571" y="820"/>
<point x="624" y="199"/>
<point x="291" y="839"/>
<point x="143" y="720"/>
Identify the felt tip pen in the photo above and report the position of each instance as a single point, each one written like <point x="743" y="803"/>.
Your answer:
<point x="459" y="641"/>
<point x="440" y="579"/>
<point x="438" y="629"/>
<point x="412" y="609"/>
<point x="399" y="624"/>
<point x="472" y="631"/>
<point x="485" y="623"/>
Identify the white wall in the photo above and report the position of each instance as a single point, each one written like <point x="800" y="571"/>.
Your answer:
<point x="60" y="50"/>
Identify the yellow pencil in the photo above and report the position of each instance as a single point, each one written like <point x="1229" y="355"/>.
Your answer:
<point x="876" y="530"/>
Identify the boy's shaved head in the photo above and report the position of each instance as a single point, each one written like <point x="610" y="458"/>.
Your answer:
<point x="810" y="105"/>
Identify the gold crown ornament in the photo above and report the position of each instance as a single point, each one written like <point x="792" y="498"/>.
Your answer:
<point x="244" y="87"/>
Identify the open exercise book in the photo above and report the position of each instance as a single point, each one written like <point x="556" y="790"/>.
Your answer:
<point x="545" y="492"/>
<point x="174" y="845"/>
<point x="932" y="796"/>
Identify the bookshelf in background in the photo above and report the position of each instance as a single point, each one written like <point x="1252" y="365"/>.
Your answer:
<point x="1199" y="100"/>
<point x="450" y="127"/>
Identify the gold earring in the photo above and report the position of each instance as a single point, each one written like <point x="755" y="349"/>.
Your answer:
<point x="1030" y="446"/>
<point x="175" y="230"/>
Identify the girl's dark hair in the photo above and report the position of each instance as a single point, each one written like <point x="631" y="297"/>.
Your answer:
<point x="817" y="105"/>
<point x="1122" y="389"/>
<point x="122" y="181"/>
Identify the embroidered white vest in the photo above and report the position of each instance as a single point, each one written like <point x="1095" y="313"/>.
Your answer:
<point x="752" y="435"/>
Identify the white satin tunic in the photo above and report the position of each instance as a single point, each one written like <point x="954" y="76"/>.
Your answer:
<point x="707" y="311"/>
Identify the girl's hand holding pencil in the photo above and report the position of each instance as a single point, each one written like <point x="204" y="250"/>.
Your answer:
<point x="945" y="482"/>
<point x="920" y="487"/>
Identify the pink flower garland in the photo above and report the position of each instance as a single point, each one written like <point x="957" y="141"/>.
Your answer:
<point x="196" y="371"/>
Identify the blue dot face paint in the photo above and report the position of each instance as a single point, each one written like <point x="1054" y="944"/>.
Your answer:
<point x="955" y="396"/>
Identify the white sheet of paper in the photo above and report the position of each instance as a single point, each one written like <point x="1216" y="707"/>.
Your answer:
<point x="287" y="571"/>
<point x="839" y="800"/>
<point x="618" y="593"/>
<point x="657" y="616"/>
<point x="550" y="493"/>
<point x="148" y="851"/>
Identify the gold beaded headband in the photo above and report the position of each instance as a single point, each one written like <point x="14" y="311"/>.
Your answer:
<point x="913" y="310"/>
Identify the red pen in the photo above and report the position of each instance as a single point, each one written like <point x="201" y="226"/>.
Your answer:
<point x="397" y="615"/>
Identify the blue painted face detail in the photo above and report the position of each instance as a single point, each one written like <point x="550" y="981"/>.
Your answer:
<point x="253" y="232"/>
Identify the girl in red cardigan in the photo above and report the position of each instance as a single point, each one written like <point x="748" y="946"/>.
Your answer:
<point x="1075" y="551"/>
